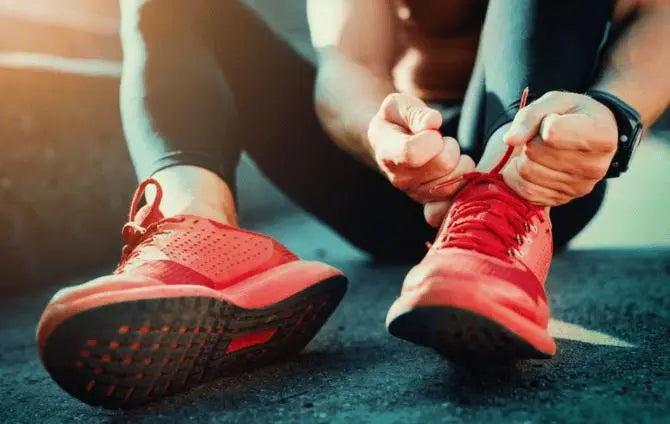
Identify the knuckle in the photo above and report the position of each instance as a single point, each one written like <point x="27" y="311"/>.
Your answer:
<point x="526" y="190"/>
<point x="527" y="114"/>
<point x="398" y="181"/>
<point x="407" y="156"/>
<point x="430" y="215"/>
<point x="586" y="188"/>
<point x="390" y="101"/>
<point x="594" y="172"/>
<point x="558" y="201"/>
<point x="569" y="189"/>
<point x="450" y="163"/>
<point x="550" y="129"/>
<point x="468" y="163"/>
<point x="373" y="127"/>
<point x="526" y="171"/>
<point x="552" y="95"/>
<point x="393" y="98"/>
<point x="534" y="149"/>
<point x="414" y="114"/>
<point x="610" y="142"/>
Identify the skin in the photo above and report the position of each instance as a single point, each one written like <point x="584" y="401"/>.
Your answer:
<point x="564" y="141"/>
<point x="396" y="133"/>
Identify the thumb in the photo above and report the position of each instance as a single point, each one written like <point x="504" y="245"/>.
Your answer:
<point x="524" y="127"/>
<point x="526" y="123"/>
<point x="410" y="113"/>
<point x="421" y="118"/>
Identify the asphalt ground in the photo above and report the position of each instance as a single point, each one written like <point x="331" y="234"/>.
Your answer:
<point x="611" y="312"/>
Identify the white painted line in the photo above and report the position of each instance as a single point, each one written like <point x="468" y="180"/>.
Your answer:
<point x="567" y="331"/>
<point x="78" y="66"/>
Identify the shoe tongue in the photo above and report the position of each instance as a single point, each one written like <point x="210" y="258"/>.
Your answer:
<point x="147" y="215"/>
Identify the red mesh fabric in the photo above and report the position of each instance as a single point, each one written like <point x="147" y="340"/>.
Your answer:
<point x="221" y="254"/>
<point x="172" y="273"/>
<point x="192" y="250"/>
<point x="538" y="251"/>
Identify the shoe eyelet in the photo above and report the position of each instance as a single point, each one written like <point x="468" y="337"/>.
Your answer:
<point x="514" y="252"/>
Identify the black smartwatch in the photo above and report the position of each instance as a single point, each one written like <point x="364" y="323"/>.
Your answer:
<point x="629" y="125"/>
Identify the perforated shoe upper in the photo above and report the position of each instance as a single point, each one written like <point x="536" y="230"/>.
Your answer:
<point x="187" y="249"/>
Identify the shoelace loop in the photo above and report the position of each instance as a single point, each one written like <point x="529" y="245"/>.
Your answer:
<point x="465" y="224"/>
<point x="132" y="232"/>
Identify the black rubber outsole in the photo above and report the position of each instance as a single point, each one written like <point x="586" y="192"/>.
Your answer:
<point x="462" y="335"/>
<point x="127" y="354"/>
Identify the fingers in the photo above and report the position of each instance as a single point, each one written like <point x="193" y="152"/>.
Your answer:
<point x="404" y="133"/>
<point x="527" y="121"/>
<point x="577" y="131"/>
<point x="465" y="165"/>
<point x="428" y="191"/>
<point x="410" y="113"/>
<point x="434" y="212"/>
<point x="394" y="145"/>
<point x="441" y="164"/>
<point x="576" y="162"/>
<point x="530" y="191"/>
<point x="567" y="184"/>
<point x="418" y="182"/>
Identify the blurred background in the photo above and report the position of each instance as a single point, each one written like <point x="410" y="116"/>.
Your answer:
<point x="65" y="175"/>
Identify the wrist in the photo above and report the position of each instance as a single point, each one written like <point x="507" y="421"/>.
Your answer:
<point x="629" y="129"/>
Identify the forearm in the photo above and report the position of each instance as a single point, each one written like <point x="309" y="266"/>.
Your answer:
<point x="347" y="96"/>
<point x="637" y="67"/>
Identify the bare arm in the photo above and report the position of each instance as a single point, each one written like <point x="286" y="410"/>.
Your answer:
<point x="637" y="68"/>
<point x="356" y="45"/>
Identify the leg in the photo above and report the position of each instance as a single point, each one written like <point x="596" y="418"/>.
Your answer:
<point x="545" y="46"/>
<point x="479" y="292"/>
<point x="257" y="98"/>
<point x="191" y="299"/>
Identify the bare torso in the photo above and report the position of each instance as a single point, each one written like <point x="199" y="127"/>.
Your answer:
<point x="438" y="42"/>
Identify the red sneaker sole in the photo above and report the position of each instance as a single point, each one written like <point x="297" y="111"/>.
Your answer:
<point x="462" y="335"/>
<point x="464" y="322"/>
<point x="125" y="354"/>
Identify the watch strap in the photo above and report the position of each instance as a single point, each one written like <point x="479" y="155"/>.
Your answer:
<point x="629" y="126"/>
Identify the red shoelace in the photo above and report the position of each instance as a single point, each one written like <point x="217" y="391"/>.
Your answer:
<point x="134" y="233"/>
<point x="500" y="237"/>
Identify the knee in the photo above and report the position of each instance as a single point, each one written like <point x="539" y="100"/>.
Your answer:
<point x="159" y="23"/>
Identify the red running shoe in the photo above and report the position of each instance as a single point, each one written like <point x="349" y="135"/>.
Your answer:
<point x="192" y="299"/>
<point x="479" y="292"/>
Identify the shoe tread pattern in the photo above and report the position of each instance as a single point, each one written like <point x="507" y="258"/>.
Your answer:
<point x="130" y="353"/>
<point x="462" y="335"/>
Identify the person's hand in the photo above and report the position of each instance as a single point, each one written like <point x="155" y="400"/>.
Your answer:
<point x="412" y="153"/>
<point x="567" y="141"/>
